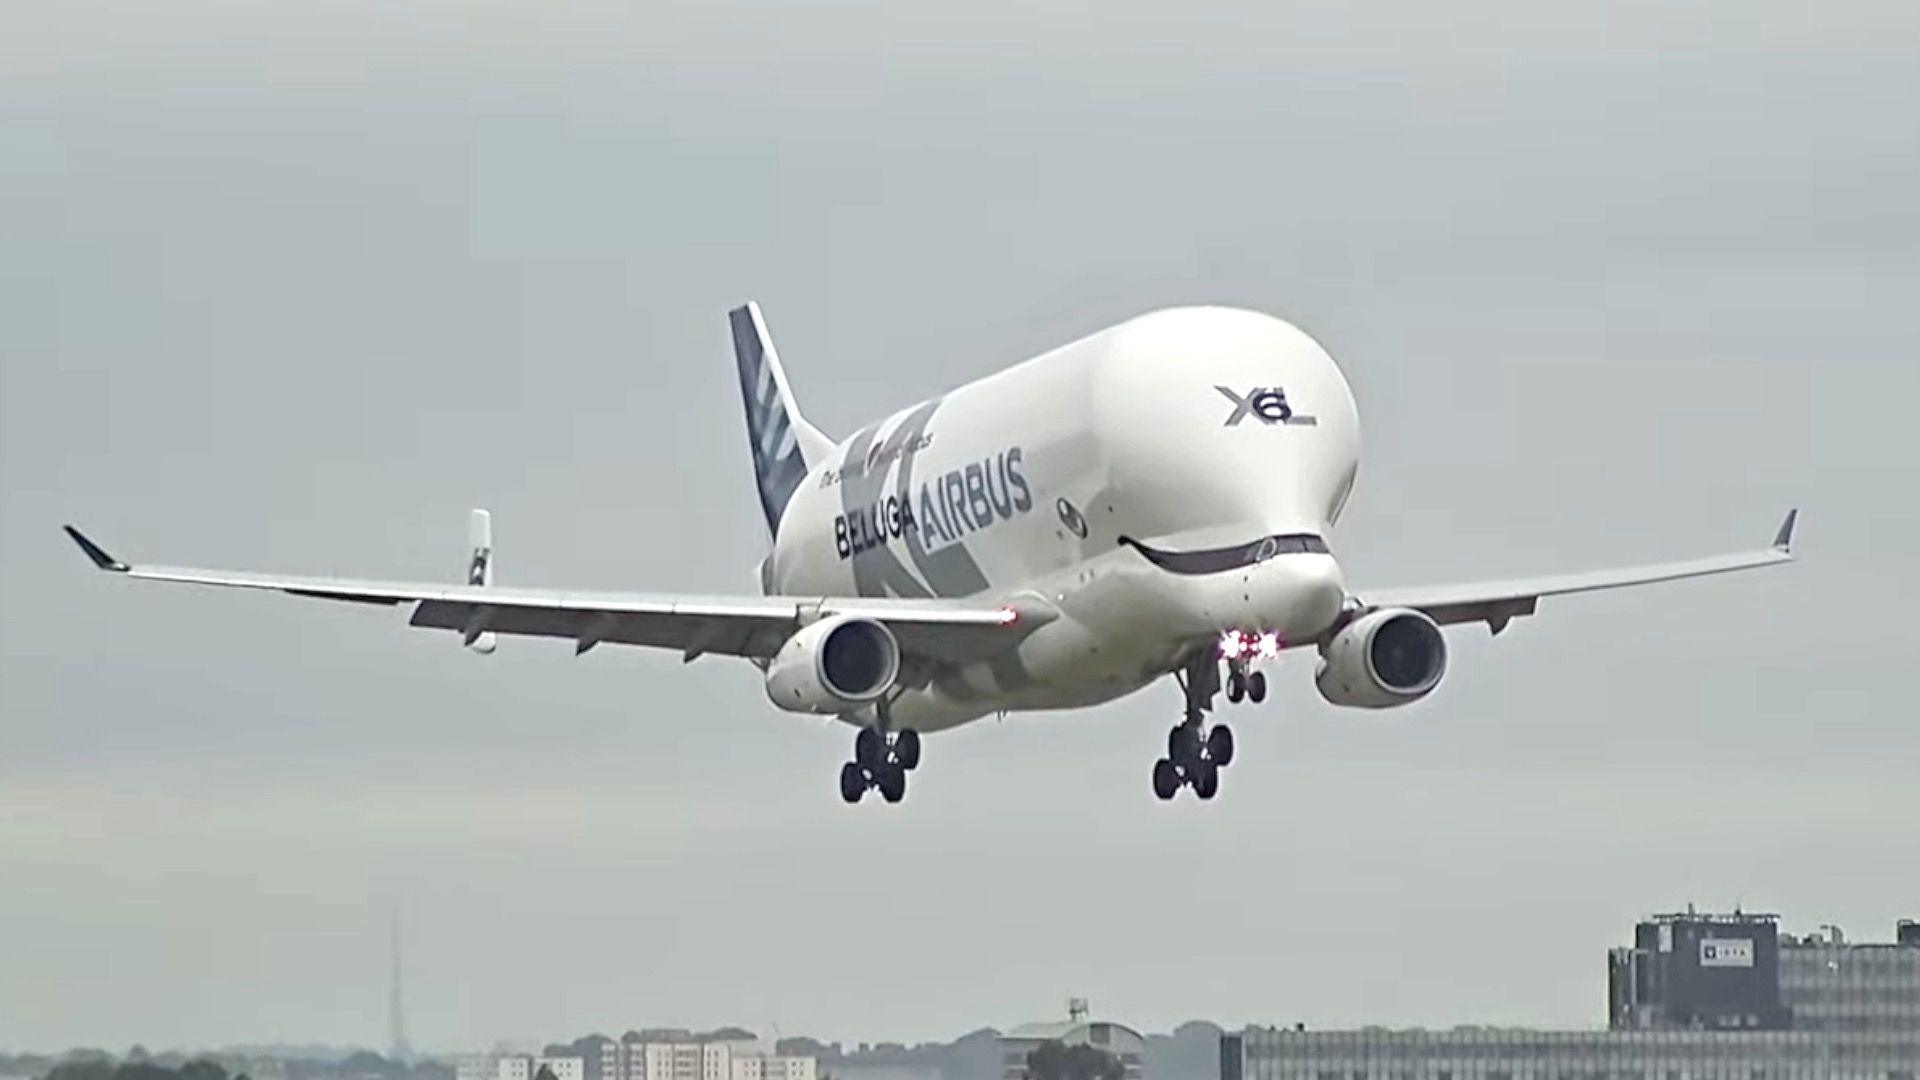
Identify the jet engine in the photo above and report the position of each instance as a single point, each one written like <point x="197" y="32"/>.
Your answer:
<point x="1384" y="658"/>
<point x="833" y="665"/>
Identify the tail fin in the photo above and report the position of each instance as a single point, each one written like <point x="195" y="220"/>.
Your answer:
<point x="784" y="446"/>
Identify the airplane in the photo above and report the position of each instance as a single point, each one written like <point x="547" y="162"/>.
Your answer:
<point x="1154" y="499"/>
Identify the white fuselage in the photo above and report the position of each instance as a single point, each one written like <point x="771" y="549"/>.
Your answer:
<point x="1190" y="429"/>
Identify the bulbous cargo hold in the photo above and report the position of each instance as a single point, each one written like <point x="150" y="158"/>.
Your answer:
<point x="1184" y="429"/>
<point x="834" y="665"/>
<point x="1387" y="658"/>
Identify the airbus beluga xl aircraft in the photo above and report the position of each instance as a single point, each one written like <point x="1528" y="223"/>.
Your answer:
<point x="1153" y="500"/>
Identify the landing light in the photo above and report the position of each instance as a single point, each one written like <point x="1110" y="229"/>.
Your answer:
<point x="1233" y="644"/>
<point x="1008" y="616"/>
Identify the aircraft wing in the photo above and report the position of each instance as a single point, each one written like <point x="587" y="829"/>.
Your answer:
<point x="1496" y="602"/>
<point x="750" y="626"/>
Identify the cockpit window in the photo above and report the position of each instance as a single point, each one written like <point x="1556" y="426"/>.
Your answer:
<point x="1215" y="560"/>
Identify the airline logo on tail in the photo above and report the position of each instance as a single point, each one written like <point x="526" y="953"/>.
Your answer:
<point x="778" y="464"/>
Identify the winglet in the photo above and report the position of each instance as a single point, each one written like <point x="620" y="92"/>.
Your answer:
<point x="95" y="552"/>
<point x="1783" y="540"/>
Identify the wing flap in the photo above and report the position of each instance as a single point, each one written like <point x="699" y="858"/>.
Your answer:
<point x="689" y="632"/>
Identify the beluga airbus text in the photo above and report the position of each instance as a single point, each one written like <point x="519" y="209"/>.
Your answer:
<point x="1155" y="499"/>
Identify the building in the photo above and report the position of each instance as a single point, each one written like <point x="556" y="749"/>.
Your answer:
<point x="476" y="1067"/>
<point x="1695" y="997"/>
<point x="728" y="1055"/>
<point x="1715" y="972"/>
<point x="1496" y="1054"/>
<point x="599" y="1054"/>
<point x="1738" y="972"/>
<point x="1831" y="985"/>
<point x="562" y="1068"/>
<point x="1077" y="1030"/>
<point x="774" y="1067"/>
<point x="529" y="1066"/>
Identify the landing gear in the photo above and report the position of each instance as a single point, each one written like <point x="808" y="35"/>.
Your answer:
<point x="1195" y="752"/>
<point x="880" y="763"/>
<point x="1193" y="759"/>
<point x="1241" y="683"/>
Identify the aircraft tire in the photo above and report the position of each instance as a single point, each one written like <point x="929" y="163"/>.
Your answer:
<point x="1206" y="780"/>
<point x="892" y="782"/>
<point x="1166" y="780"/>
<point x="1257" y="686"/>
<point x="1183" y="745"/>
<point x="869" y="749"/>
<point x="906" y="749"/>
<point x="1236" y="687"/>
<point x="1220" y="745"/>
<point x="853" y="782"/>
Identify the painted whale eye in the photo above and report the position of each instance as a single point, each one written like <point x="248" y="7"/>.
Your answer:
<point x="1071" y="518"/>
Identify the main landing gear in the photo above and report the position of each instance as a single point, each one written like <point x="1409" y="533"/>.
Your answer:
<point x="880" y="762"/>
<point x="1196" y="752"/>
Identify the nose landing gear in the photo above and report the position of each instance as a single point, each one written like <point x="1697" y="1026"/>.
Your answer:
<point x="880" y="762"/>
<point x="1251" y="685"/>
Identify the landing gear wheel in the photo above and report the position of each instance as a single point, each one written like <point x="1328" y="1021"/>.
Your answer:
<point x="869" y="749"/>
<point x="1220" y="745"/>
<point x="1206" y="780"/>
<point x="1166" y="780"/>
<point x="1183" y="744"/>
<point x="892" y="782"/>
<point x="1257" y="686"/>
<point x="906" y="749"/>
<point x="1236" y="687"/>
<point x="853" y="782"/>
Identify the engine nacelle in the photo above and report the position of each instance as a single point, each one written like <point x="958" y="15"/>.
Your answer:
<point x="838" y="663"/>
<point x="1385" y="658"/>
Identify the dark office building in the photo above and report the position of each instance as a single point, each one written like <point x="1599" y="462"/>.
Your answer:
<point x="1698" y="972"/>
<point x="1831" y="984"/>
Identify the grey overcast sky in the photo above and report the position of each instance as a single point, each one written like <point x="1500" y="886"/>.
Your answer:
<point x="294" y="289"/>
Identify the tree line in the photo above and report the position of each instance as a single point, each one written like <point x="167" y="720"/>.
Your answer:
<point x="100" y="1068"/>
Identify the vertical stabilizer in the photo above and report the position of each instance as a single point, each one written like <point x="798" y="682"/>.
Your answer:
<point x="783" y="445"/>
